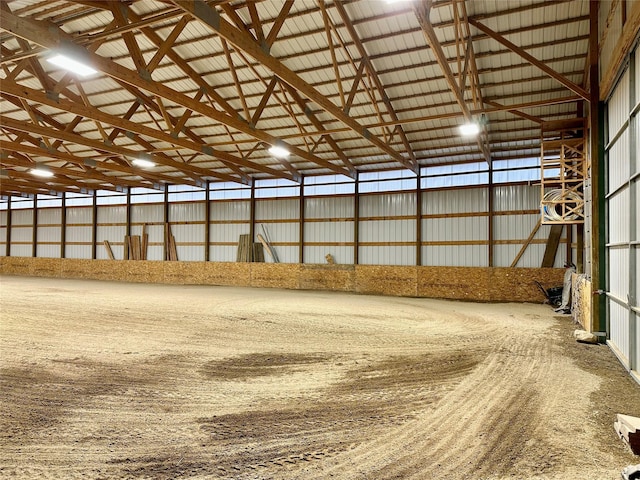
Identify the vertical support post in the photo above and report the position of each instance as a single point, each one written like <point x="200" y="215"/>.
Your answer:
<point x="419" y="218"/>
<point x="34" y="229"/>
<point x="252" y="212"/>
<point x="128" y="213"/>
<point x="634" y="211"/>
<point x="490" y="208"/>
<point x="63" y="226"/>
<point x="301" y="233"/>
<point x="7" y="246"/>
<point x="596" y="150"/>
<point x="207" y="221"/>
<point x="94" y="226"/>
<point x="165" y="218"/>
<point x="356" y="221"/>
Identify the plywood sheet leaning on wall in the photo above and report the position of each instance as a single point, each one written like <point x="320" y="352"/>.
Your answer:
<point x="581" y="300"/>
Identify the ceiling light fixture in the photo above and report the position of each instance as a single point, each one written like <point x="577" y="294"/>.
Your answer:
<point x="72" y="65"/>
<point x="469" y="129"/>
<point x="143" y="162"/>
<point x="279" y="151"/>
<point x="43" y="172"/>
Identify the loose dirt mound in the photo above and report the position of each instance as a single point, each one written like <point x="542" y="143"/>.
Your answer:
<point x="107" y="380"/>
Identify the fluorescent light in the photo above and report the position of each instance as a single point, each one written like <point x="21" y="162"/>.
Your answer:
<point x="278" y="151"/>
<point x="469" y="129"/>
<point x="143" y="163"/>
<point x="72" y="65"/>
<point x="42" y="172"/>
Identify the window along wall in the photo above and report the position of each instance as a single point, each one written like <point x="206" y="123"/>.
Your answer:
<point x="449" y="216"/>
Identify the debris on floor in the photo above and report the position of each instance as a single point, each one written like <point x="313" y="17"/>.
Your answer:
<point x="632" y="472"/>
<point x="583" y="336"/>
<point x="628" y="429"/>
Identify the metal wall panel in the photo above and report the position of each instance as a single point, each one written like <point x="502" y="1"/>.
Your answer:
<point x="618" y="107"/>
<point x="621" y="155"/>
<point x="391" y="204"/>
<point x="281" y="234"/>
<point x="619" y="272"/>
<point x="223" y="253"/>
<point x="516" y="197"/>
<point x="455" y="201"/>
<point x="317" y="254"/>
<point x="48" y="232"/>
<point x="21" y="233"/>
<point x="619" y="217"/>
<point x="619" y="164"/>
<point x="455" y="255"/>
<point x="332" y="233"/>
<point x="619" y="329"/>
<point x="186" y="236"/>
<point x="3" y="229"/>
<point x="186" y="212"/>
<point x="147" y="213"/>
<point x="81" y="251"/>
<point x="388" y="231"/>
<point x="229" y="221"/>
<point x="280" y="209"/>
<point x="387" y="255"/>
<point x="112" y="227"/>
<point x="329" y="207"/>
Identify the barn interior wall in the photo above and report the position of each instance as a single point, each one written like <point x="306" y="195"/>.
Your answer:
<point x="454" y="228"/>
<point x="457" y="283"/>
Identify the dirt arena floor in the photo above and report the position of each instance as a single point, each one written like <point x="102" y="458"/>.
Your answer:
<point x="108" y="380"/>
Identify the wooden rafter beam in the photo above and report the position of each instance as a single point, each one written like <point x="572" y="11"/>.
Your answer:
<point x="209" y="17"/>
<point x="318" y="124"/>
<point x="136" y="128"/>
<point x="53" y="38"/>
<point x="364" y="56"/>
<point x="531" y="59"/>
<point x="422" y="11"/>
<point x="148" y="178"/>
<point x="279" y="21"/>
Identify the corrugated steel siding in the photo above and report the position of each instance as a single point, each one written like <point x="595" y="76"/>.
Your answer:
<point x="79" y="226"/>
<point x="3" y="229"/>
<point x="622" y="208"/>
<point x="618" y="106"/>
<point x="187" y="226"/>
<point x="281" y="218"/>
<point x="394" y="234"/>
<point x="471" y="229"/>
<point x="49" y="232"/>
<point x="229" y="221"/>
<point x="619" y="329"/>
<point x="335" y="232"/>
<point x="112" y="227"/>
<point x="21" y="233"/>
